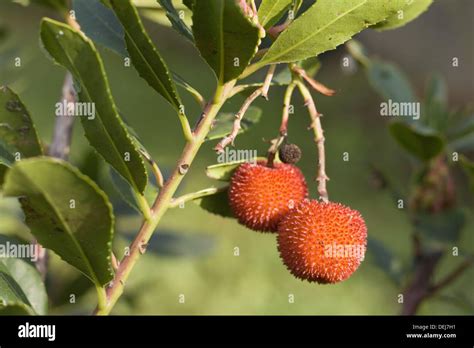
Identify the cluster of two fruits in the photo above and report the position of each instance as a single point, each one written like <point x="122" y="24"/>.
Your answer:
<point x="310" y="233"/>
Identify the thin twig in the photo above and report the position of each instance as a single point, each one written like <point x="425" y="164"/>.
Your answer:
<point x="322" y="178"/>
<point x="451" y="277"/>
<point x="419" y="287"/>
<point x="261" y="91"/>
<point x="155" y="169"/>
<point x="283" y="131"/>
<point x="286" y="108"/>
<point x="115" y="262"/>
<point x="59" y="148"/>
<point x="64" y="124"/>
<point x="317" y="86"/>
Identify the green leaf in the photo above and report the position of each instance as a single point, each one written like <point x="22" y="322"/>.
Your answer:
<point x="385" y="259"/>
<point x="3" y="171"/>
<point x="461" y="134"/>
<point x="66" y="212"/>
<point x="436" y="104"/>
<point x="6" y="160"/>
<point x="127" y="193"/>
<point x="100" y="24"/>
<point x="270" y="11"/>
<point x="223" y="34"/>
<point x="59" y="5"/>
<point x="463" y="126"/>
<point x="28" y="279"/>
<point x="21" y="289"/>
<point x="390" y="82"/>
<point x="225" y="121"/>
<point x="176" y="22"/>
<point x="465" y="143"/>
<point x="217" y="204"/>
<point x="325" y="25"/>
<point x="145" y="57"/>
<point x="12" y="295"/>
<point x="224" y="171"/>
<point x="412" y="10"/>
<point x="189" y="4"/>
<point x="106" y="132"/>
<point x="443" y="227"/>
<point x="17" y="131"/>
<point x="15" y="309"/>
<point x="468" y="166"/>
<point x="181" y="82"/>
<point x="420" y="142"/>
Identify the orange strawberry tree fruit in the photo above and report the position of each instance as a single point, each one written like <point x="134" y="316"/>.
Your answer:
<point x="69" y="214"/>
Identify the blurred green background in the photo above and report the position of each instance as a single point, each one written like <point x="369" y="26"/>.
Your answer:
<point x="192" y="252"/>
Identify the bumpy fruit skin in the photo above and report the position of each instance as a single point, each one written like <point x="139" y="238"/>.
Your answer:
<point x="260" y="196"/>
<point x="322" y="242"/>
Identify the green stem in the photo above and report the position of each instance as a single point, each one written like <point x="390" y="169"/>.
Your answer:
<point x="143" y="205"/>
<point x="188" y="133"/>
<point x="162" y="202"/>
<point x="101" y="298"/>
<point x="195" y="195"/>
<point x="322" y="178"/>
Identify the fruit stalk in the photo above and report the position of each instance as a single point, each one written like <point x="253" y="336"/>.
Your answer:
<point x="322" y="178"/>
<point x="283" y="132"/>
<point x="261" y="91"/>
<point x="164" y="198"/>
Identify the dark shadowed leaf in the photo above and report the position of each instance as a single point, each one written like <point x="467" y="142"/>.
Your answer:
<point x="385" y="259"/>
<point x="390" y="82"/>
<point x="420" y="142"/>
<point x="189" y="4"/>
<point x="177" y="23"/>
<point x="104" y="28"/>
<point x="145" y="56"/>
<point x="216" y="204"/>
<point x="435" y="110"/>
<point x="100" y="24"/>
<point x="463" y="143"/>
<point x="444" y="227"/>
<point x="468" y="166"/>
<point x="66" y="212"/>
<point x="127" y="194"/>
<point x="59" y="5"/>
<point x="178" y="244"/>
<point x="106" y="132"/>
<point x="226" y="39"/>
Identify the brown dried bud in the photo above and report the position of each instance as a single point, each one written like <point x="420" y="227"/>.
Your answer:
<point x="289" y="153"/>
